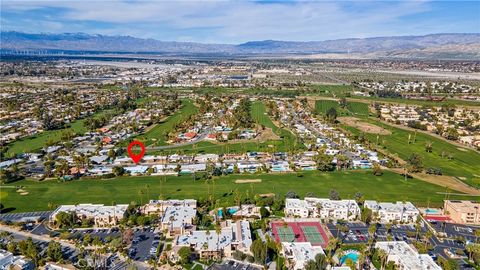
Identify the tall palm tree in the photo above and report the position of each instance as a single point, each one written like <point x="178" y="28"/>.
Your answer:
<point x="383" y="258"/>
<point x="218" y="230"/>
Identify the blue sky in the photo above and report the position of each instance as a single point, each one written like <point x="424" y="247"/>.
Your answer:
<point x="241" y="21"/>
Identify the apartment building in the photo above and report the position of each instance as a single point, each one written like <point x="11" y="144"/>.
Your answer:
<point x="463" y="212"/>
<point x="212" y="245"/>
<point x="405" y="257"/>
<point x="9" y="261"/>
<point x="322" y="208"/>
<point x="177" y="219"/>
<point x="393" y="212"/>
<point x="299" y="253"/>
<point x="99" y="214"/>
<point x="160" y="206"/>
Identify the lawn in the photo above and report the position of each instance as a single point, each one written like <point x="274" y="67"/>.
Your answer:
<point x="465" y="163"/>
<point x="389" y="187"/>
<point x="357" y="108"/>
<point x="330" y="90"/>
<point x="260" y="116"/>
<point x="258" y="111"/>
<point x="158" y="134"/>
<point x="38" y="141"/>
<point x="353" y="108"/>
<point x="456" y="102"/>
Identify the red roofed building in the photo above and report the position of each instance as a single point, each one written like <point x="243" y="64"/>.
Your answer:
<point x="190" y="135"/>
<point x="106" y="140"/>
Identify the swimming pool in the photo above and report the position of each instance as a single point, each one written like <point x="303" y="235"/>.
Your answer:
<point x="353" y="255"/>
<point x="231" y="211"/>
<point x="432" y="211"/>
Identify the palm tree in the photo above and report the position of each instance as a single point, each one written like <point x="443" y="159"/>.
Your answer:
<point x="147" y="188"/>
<point x="339" y="253"/>
<point x="383" y="257"/>
<point x="140" y="193"/>
<point x="218" y="230"/>
<point x="319" y="208"/>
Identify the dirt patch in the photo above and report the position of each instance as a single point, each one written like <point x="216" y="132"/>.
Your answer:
<point x="266" y="135"/>
<point x="243" y="181"/>
<point x="442" y="180"/>
<point x="363" y="126"/>
<point x="267" y="195"/>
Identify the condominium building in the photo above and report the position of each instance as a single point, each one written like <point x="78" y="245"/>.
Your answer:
<point x="299" y="253"/>
<point x="160" y="206"/>
<point x="405" y="257"/>
<point x="394" y="212"/>
<point x="9" y="261"/>
<point x="322" y="208"/>
<point x="463" y="212"/>
<point x="211" y="245"/>
<point x="99" y="214"/>
<point x="177" y="219"/>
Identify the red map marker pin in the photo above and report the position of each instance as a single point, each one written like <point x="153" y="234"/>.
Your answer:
<point x="136" y="157"/>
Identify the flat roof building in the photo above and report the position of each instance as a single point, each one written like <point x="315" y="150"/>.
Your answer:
<point x="9" y="261"/>
<point x="322" y="208"/>
<point x="463" y="212"/>
<point x="300" y="253"/>
<point x="100" y="214"/>
<point x="159" y="206"/>
<point x="176" y="219"/>
<point x="210" y="245"/>
<point x="390" y="212"/>
<point x="405" y="257"/>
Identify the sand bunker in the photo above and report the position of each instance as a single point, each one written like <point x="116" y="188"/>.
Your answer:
<point x="363" y="126"/>
<point x="243" y="181"/>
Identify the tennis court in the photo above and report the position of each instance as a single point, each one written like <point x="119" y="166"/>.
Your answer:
<point x="285" y="234"/>
<point x="300" y="232"/>
<point x="312" y="234"/>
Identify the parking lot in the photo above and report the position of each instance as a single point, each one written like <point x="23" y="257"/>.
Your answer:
<point x="25" y="217"/>
<point x="68" y="253"/>
<point x="358" y="232"/>
<point x="144" y="245"/>
<point x="456" y="230"/>
<point x="233" y="265"/>
<point x="102" y="234"/>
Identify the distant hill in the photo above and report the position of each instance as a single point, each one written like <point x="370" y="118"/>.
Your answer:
<point x="428" y="46"/>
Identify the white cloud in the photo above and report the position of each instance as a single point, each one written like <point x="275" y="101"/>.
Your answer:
<point x="228" y="21"/>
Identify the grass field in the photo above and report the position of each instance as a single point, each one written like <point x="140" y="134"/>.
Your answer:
<point x="358" y="108"/>
<point x="260" y="116"/>
<point x="353" y="108"/>
<point x="421" y="102"/>
<point x="258" y="110"/>
<point x="322" y="106"/>
<point x="39" y="141"/>
<point x="389" y="187"/>
<point x="465" y="163"/>
<point x="330" y="90"/>
<point x="157" y="135"/>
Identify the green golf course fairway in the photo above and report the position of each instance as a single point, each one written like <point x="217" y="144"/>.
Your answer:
<point x="388" y="187"/>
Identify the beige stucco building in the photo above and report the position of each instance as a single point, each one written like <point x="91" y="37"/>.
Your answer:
<point x="464" y="212"/>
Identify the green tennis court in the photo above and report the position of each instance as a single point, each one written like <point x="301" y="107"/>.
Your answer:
<point x="312" y="234"/>
<point x="285" y="234"/>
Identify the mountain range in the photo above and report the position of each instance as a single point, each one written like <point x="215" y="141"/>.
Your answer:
<point x="451" y="45"/>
